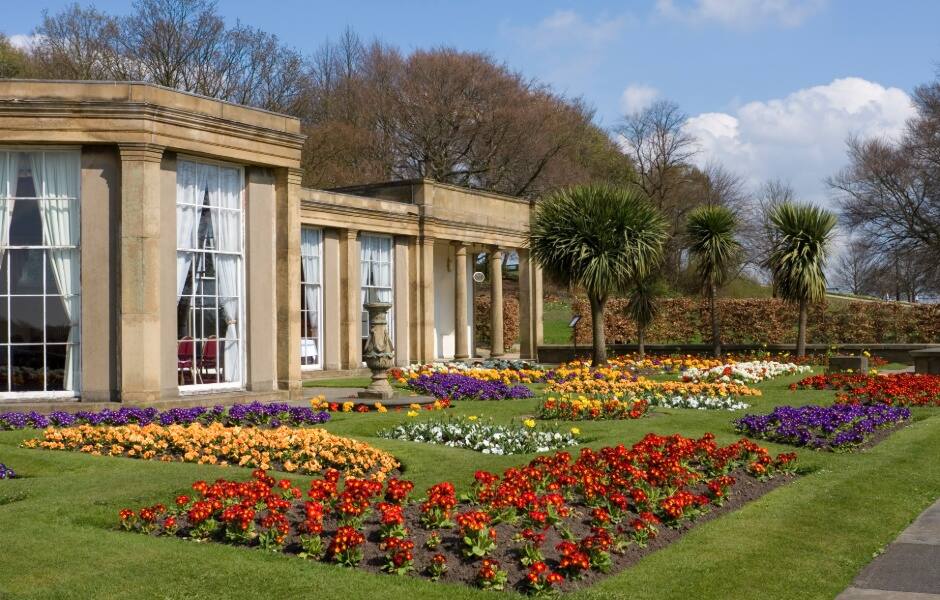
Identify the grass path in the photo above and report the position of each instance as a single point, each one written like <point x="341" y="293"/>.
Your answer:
<point x="807" y="539"/>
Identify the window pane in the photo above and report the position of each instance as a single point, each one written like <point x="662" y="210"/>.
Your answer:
<point x="57" y="323"/>
<point x="26" y="226"/>
<point x="55" y="367"/>
<point x="27" y="373"/>
<point x="26" y="316"/>
<point x="26" y="269"/>
<point x="4" y="323"/>
<point x="4" y="380"/>
<point x="4" y="272"/>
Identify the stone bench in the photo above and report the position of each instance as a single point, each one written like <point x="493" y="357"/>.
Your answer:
<point x="845" y="363"/>
<point x="927" y="360"/>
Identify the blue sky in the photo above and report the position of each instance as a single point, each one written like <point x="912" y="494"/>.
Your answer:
<point x="774" y="86"/>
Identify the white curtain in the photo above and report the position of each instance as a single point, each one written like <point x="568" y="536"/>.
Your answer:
<point x="310" y="276"/>
<point x="8" y="167"/>
<point x="226" y="224"/>
<point x="56" y="177"/>
<point x="376" y="272"/>
<point x="191" y="182"/>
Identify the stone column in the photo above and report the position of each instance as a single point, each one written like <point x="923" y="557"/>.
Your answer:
<point x="461" y="347"/>
<point x="426" y="295"/>
<point x="332" y="301"/>
<point x="351" y="308"/>
<point x="142" y="347"/>
<point x="527" y="299"/>
<point x="402" y="309"/>
<point x="260" y="277"/>
<point x="496" y="303"/>
<point x="287" y="279"/>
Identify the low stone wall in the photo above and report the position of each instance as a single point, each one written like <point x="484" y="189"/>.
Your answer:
<point x="554" y="354"/>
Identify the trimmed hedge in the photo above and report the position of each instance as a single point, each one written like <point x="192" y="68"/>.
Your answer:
<point x="771" y="321"/>
<point x="481" y="318"/>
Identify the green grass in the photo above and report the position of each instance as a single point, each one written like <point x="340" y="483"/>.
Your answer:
<point x="807" y="539"/>
<point x="555" y="318"/>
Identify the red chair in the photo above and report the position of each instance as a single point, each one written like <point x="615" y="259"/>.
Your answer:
<point x="210" y="357"/>
<point x="185" y="359"/>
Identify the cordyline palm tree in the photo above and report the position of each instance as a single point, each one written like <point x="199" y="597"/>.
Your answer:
<point x="798" y="256"/>
<point x="710" y="233"/>
<point x="643" y="306"/>
<point x="600" y="238"/>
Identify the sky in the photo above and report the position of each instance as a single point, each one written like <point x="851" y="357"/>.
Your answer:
<point x="773" y="88"/>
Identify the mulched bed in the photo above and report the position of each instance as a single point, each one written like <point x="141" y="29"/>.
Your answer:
<point x="464" y="570"/>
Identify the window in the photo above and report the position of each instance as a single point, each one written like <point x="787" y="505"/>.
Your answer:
<point x="209" y="270"/>
<point x="376" y="277"/>
<point x="311" y="298"/>
<point x="40" y="273"/>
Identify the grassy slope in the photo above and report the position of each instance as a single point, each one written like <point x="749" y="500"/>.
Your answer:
<point x="805" y="540"/>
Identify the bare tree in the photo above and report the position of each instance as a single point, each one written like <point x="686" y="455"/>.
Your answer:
<point x="12" y="60"/>
<point x="857" y="269"/>
<point x="78" y="43"/>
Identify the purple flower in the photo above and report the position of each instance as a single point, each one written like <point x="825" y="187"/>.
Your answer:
<point x="6" y="472"/>
<point x="833" y="427"/>
<point x="463" y="387"/>
<point x="273" y="414"/>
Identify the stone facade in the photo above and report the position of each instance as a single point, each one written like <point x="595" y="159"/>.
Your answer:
<point x="131" y="138"/>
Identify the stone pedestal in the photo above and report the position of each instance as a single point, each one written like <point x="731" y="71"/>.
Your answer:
<point x="841" y="364"/>
<point x="379" y="354"/>
<point x="927" y="361"/>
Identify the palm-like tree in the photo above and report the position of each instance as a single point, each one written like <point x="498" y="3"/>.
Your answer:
<point x="710" y="231"/>
<point x="798" y="256"/>
<point x="600" y="238"/>
<point x="643" y="306"/>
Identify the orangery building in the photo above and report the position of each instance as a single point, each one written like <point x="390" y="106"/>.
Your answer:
<point x="157" y="246"/>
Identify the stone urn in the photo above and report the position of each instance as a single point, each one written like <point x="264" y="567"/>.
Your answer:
<point x="379" y="355"/>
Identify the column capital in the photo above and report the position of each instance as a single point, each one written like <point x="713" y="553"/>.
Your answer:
<point x="294" y="176"/>
<point x="460" y="247"/>
<point x="142" y="152"/>
<point x="497" y="250"/>
<point x="427" y="240"/>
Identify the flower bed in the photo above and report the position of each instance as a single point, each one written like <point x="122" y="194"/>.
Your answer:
<point x="696" y="401"/>
<point x="455" y="386"/>
<point x="743" y="373"/>
<point x="581" y="379"/>
<point x="320" y="403"/>
<point x="272" y="414"/>
<point x="580" y="408"/>
<point x="905" y="389"/>
<point x="838" y="427"/>
<point x="305" y="450"/>
<point x="535" y="529"/>
<point x="6" y="472"/>
<point x="486" y="437"/>
<point x="507" y="371"/>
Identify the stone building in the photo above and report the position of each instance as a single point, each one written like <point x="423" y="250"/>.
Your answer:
<point x="156" y="246"/>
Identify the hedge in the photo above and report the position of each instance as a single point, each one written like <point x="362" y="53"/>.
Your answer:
<point x="481" y="316"/>
<point x="768" y="320"/>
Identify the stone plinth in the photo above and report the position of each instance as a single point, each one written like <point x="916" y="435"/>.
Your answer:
<point x="841" y="364"/>
<point x="927" y="360"/>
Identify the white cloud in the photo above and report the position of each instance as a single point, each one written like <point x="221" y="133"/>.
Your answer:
<point x="24" y="41"/>
<point x="567" y="27"/>
<point x="636" y="97"/>
<point x="800" y="138"/>
<point x="741" y="14"/>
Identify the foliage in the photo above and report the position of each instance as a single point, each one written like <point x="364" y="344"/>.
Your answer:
<point x="710" y="234"/>
<point x="797" y="259"/>
<point x="482" y="306"/>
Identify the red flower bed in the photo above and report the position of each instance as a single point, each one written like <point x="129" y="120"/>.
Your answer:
<point x="536" y="528"/>
<point x="905" y="389"/>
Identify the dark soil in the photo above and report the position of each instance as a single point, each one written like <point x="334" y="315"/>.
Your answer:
<point x="507" y="552"/>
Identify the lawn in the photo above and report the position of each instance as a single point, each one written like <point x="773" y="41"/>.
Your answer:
<point x="807" y="539"/>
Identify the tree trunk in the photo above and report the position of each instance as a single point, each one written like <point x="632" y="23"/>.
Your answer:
<point x="801" y="333"/>
<point x="597" y="325"/>
<point x="641" y="341"/>
<point x="716" y="333"/>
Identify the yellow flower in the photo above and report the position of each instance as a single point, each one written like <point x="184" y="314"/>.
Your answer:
<point x="347" y="406"/>
<point x="575" y="431"/>
<point x="472" y="418"/>
<point x="378" y="406"/>
<point x="412" y="413"/>
<point x="530" y="423"/>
